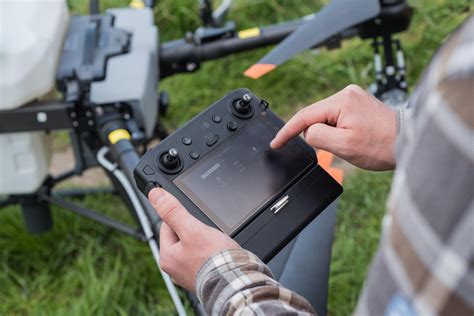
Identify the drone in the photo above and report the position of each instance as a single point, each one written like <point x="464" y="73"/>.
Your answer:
<point x="107" y="68"/>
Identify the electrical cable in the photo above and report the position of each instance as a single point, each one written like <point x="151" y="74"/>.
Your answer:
<point x="119" y="175"/>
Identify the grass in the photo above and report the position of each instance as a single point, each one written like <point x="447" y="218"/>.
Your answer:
<point x="82" y="268"/>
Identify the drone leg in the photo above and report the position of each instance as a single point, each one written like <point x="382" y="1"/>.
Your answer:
<point x="378" y="88"/>
<point x="390" y="70"/>
<point x="401" y="67"/>
<point x="390" y="84"/>
<point x="37" y="215"/>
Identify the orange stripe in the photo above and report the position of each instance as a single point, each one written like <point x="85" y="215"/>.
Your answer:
<point x="325" y="158"/>
<point x="258" y="70"/>
<point x="337" y="174"/>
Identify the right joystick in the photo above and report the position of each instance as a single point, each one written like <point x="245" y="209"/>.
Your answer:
<point x="242" y="106"/>
<point x="170" y="159"/>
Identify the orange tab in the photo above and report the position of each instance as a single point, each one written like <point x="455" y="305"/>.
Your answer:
<point x="258" y="70"/>
<point x="325" y="158"/>
<point x="337" y="174"/>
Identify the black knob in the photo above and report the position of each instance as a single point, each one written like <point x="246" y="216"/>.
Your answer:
<point x="171" y="159"/>
<point x="242" y="106"/>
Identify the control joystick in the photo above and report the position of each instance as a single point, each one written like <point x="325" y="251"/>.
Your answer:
<point x="170" y="160"/>
<point x="242" y="107"/>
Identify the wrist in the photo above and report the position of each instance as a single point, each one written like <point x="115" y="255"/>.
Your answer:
<point x="214" y="278"/>
<point x="222" y="262"/>
<point x="402" y="115"/>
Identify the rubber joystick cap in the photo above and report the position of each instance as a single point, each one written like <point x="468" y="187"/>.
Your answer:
<point x="242" y="106"/>
<point x="171" y="160"/>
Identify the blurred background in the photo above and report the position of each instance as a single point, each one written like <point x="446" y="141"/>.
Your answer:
<point x="81" y="267"/>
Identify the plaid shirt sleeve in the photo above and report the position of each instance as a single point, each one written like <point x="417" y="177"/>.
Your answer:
<point x="236" y="282"/>
<point x="425" y="261"/>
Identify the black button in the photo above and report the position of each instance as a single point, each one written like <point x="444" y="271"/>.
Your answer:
<point x="187" y="141"/>
<point x="216" y="119"/>
<point x="150" y="186"/>
<point x="148" y="170"/>
<point x="212" y="140"/>
<point x="232" y="125"/>
<point x="194" y="155"/>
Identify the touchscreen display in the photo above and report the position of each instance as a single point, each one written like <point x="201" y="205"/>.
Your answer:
<point x="239" y="176"/>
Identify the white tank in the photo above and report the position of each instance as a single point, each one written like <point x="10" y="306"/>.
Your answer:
<point x="31" y="39"/>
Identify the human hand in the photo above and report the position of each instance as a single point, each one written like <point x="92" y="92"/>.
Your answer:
<point x="185" y="242"/>
<point x="352" y="124"/>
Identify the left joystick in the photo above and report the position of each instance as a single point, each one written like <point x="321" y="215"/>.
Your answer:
<point x="170" y="159"/>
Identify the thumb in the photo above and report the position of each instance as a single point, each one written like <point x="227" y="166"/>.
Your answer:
<point x="325" y="137"/>
<point x="172" y="212"/>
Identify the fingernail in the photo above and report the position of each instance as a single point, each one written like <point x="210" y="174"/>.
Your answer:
<point x="156" y="196"/>
<point x="273" y="143"/>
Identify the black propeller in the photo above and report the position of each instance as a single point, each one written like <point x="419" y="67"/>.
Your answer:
<point x="337" y="16"/>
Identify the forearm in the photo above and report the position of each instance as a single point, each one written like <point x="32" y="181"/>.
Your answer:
<point x="236" y="281"/>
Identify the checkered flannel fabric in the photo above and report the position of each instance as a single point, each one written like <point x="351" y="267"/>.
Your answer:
<point x="425" y="261"/>
<point x="236" y="282"/>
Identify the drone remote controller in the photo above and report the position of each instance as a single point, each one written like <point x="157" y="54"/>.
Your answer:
<point x="221" y="168"/>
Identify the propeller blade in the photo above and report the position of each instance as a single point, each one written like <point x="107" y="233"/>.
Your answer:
<point x="337" y="16"/>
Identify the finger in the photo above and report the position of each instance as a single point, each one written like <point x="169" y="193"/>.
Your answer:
<point x="172" y="212"/>
<point x="323" y="136"/>
<point x="167" y="236"/>
<point x="324" y="111"/>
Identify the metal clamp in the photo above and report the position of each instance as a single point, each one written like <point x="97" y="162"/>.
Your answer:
<point x="280" y="204"/>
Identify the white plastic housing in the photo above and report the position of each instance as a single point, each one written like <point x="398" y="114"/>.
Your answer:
<point x="24" y="161"/>
<point x="31" y="38"/>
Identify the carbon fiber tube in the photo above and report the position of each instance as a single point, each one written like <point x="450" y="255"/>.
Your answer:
<point x="176" y="55"/>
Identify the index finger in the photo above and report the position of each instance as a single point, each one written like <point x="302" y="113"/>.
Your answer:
<point x="319" y="112"/>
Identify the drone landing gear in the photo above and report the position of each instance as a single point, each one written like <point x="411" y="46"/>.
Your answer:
<point x="390" y="84"/>
<point x="37" y="214"/>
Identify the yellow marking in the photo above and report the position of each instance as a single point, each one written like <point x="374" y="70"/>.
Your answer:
<point x="249" y="33"/>
<point x="137" y="4"/>
<point x="118" y="134"/>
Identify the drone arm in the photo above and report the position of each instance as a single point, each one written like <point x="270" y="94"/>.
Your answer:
<point x="184" y="56"/>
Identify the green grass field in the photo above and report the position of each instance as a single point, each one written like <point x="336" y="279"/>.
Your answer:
<point x="82" y="268"/>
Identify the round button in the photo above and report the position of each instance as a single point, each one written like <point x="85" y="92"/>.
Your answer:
<point x="194" y="155"/>
<point x="216" y="119"/>
<point x="232" y="126"/>
<point x="187" y="141"/>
